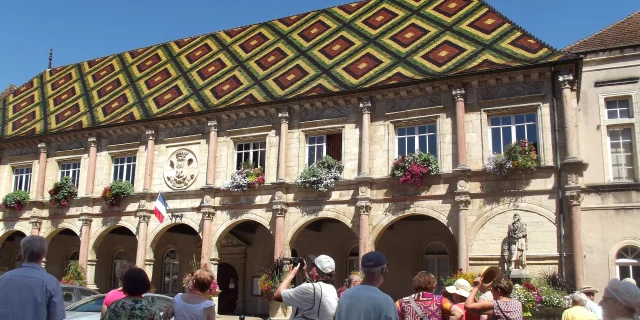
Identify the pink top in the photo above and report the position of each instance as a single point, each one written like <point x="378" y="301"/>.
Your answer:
<point x="112" y="296"/>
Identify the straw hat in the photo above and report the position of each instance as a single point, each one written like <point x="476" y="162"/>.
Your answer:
<point x="586" y="289"/>
<point x="460" y="287"/>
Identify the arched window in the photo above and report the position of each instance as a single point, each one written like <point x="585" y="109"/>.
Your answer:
<point x="171" y="283"/>
<point x="436" y="262"/>
<point x="119" y="259"/>
<point x="352" y="259"/>
<point x="73" y="257"/>
<point x="18" y="262"/>
<point x="628" y="263"/>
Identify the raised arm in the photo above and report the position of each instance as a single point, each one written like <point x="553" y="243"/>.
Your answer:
<point x="480" y="307"/>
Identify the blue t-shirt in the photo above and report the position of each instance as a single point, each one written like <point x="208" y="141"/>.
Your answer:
<point x="365" y="302"/>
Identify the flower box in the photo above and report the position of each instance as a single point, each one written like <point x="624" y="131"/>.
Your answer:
<point x="412" y="169"/>
<point x="322" y="175"/>
<point x="248" y="177"/>
<point x="117" y="191"/>
<point x="520" y="156"/>
<point x="62" y="193"/>
<point x="15" y="200"/>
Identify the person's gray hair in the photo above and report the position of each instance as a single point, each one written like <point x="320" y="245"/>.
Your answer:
<point x="352" y="278"/>
<point x="34" y="248"/>
<point x="373" y="271"/>
<point x="578" y="299"/>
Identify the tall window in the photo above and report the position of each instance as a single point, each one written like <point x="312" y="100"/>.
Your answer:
<point x="252" y="152"/>
<point x="119" y="259"/>
<point x="420" y="138"/>
<point x="618" y="108"/>
<point x="22" y="179"/>
<point x="326" y="145"/>
<point x="352" y="259"/>
<point x="628" y="263"/>
<point x="71" y="170"/>
<point x="505" y="130"/>
<point x="621" y="148"/>
<point x="124" y="168"/>
<point x="436" y="262"/>
<point x="171" y="283"/>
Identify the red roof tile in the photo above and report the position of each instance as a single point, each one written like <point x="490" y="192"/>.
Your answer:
<point x="623" y="33"/>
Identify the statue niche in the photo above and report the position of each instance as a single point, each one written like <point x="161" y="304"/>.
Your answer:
<point x="515" y="249"/>
<point x="181" y="170"/>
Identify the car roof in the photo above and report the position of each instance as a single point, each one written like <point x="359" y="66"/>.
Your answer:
<point x="102" y="295"/>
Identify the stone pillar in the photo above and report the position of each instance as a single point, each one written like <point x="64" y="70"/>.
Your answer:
<point x="91" y="274"/>
<point x="570" y="130"/>
<point x="148" y="268"/>
<point x="42" y="171"/>
<point x="212" y="126"/>
<point x="141" y="252"/>
<point x="365" y="107"/>
<point x="282" y="150"/>
<point x="364" y="208"/>
<point x="91" y="172"/>
<point x="84" y="241"/>
<point x="461" y="133"/>
<point x="280" y="210"/>
<point x="463" y="201"/>
<point x="148" y="168"/>
<point x="207" y="218"/>
<point x="36" y="222"/>
<point x="574" y="198"/>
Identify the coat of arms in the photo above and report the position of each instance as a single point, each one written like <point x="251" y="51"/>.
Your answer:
<point x="181" y="170"/>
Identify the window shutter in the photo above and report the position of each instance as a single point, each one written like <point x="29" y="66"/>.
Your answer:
<point x="334" y="146"/>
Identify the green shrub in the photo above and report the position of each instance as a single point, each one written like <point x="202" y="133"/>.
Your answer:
<point x="62" y="192"/>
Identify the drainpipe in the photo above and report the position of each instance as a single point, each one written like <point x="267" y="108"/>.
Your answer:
<point x="558" y="172"/>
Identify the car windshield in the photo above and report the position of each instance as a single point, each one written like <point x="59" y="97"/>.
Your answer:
<point x="93" y="305"/>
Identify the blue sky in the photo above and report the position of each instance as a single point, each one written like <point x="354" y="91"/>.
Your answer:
<point x="80" y="30"/>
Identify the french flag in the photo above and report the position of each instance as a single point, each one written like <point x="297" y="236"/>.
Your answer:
<point x="160" y="208"/>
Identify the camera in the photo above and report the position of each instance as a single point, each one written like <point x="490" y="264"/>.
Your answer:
<point x="297" y="260"/>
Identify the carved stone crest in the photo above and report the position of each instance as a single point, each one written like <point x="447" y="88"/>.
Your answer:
<point x="181" y="169"/>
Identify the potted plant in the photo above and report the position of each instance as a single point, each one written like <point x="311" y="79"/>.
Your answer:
<point x="413" y="168"/>
<point x="322" y="175"/>
<point x="117" y="191"/>
<point x="75" y="275"/>
<point x="520" y="155"/>
<point x="248" y="177"/>
<point x="62" y="192"/>
<point x="273" y="275"/>
<point x="15" y="200"/>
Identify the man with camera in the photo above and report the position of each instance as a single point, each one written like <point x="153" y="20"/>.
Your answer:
<point x="315" y="299"/>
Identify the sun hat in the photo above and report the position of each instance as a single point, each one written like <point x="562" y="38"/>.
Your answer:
<point x="460" y="287"/>
<point x="586" y="289"/>
<point x="324" y="263"/>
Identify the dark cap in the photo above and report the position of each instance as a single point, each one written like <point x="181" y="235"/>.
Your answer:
<point x="373" y="259"/>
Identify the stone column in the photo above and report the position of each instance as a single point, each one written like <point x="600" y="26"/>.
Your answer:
<point x="574" y="198"/>
<point x="461" y="133"/>
<point x="212" y="126"/>
<point x="42" y="171"/>
<point x="280" y="210"/>
<point x="207" y="218"/>
<point x="148" y="168"/>
<point x="282" y="150"/>
<point x="364" y="208"/>
<point x="91" y="274"/>
<point x="143" y="223"/>
<point x="36" y="222"/>
<point x="91" y="172"/>
<point x="84" y="241"/>
<point x="365" y="107"/>
<point x="148" y="268"/>
<point x="570" y="130"/>
<point x="463" y="201"/>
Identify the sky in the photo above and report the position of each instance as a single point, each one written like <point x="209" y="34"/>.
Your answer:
<point x="80" y="30"/>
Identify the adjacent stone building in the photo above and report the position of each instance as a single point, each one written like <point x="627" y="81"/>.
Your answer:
<point x="365" y="83"/>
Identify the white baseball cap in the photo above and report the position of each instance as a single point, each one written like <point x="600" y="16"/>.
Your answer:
<point x="460" y="287"/>
<point x="324" y="263"/>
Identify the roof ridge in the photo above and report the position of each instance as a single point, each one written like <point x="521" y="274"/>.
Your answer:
<point x="567" y="48"/>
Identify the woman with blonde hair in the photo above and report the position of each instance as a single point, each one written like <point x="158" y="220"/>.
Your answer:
<point x="502" y="307"/>
<point x="193" y="305"/>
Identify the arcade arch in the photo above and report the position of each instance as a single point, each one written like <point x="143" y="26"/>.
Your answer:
<point x="112" y="248"/>
<point x="62" y="243"/>
<point x="10" y="253"/>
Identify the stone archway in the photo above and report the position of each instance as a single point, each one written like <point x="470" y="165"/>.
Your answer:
<point x="112" y="247"/>
<point x="62" y="242"/>
<point x="174" y="247"/>
<point x="10" y="252"/>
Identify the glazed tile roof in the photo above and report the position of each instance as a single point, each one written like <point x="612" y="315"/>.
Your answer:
<point x="620" y="34"/>
<point x="354" y="46"/>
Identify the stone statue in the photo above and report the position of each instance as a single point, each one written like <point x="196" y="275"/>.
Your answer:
<point x="181" y="170"/>
<point x="515" y="250"/>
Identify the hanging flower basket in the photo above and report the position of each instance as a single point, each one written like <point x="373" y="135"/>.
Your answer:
<point x="248" y="177"/>
<point x="117" y="191"/>
<point x="413" y="168"/>
<point x="271" y="278"/>
<point x="75" y="275"/>
<point x="322" y="175"/>
<point x="62" y="193"/>
<point x="519" y="155"/>
<point x="15" y="200"/>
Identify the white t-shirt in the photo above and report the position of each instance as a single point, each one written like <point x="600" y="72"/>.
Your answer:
<point x="312" y="301"/>
<point x="365" y="302"/>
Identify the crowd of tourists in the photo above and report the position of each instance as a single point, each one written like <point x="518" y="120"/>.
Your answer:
<point x="29" y="292"/>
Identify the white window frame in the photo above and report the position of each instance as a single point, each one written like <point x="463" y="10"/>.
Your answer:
<point x="128" y="167"/>
<point x="315" y="147"/>
<point x="69" y="172"/>
<point x="250" y="152"/>
<point x="619" y="98"/>
<point x="174" y="269"/>
<point x="513" y="126"/>
<point x="416" y="137"/>
<point x="437" y="274"/>
<point x="21" y="176"/>
<point x="633" y="152"/>
<point x="627" y="262"/>
<point x="117" y="262"/>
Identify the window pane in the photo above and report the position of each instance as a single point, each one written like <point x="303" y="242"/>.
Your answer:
<point x="612" y="104"/>
<point x="263" y="145"/>
<point x="411" y="145"/>
<point x="626" y="134"/>
<point x="443" y="265"/>
<point x="401" y="146"/>
<point x="520" y="133"/>
<point x="625" y="272"/>
<point x="411" y="131"/>
<point x="496" y="141"/>
<point x="614" y="134"/>
<point x="312" y="140"/>
<point x="495" y="121"/>
<point x="320" y="139"/>
<point x="532" y="133"/>
<point x="430" y="265"/>
<point x="262" y="159"/>
<point x="422" y="129"/>
<point x="624" y="113"/>
<point x="531" y="117"/>
<point x="402" y="131"/>
<point x="506" y="120"/>
<point x="626" y="146"/>
<point x="311" y="156"/>
<point x="431" y="128"/>
<point x="629" y="173"/>
<point x="506" y="136"/>
<point x="612" y="114"/>
<point x="320" y="152"/>
<point x="433" y="145"/>
<point x="256" y="158"/>
<point x="519" y="118"/>
<point x="623" y="104"/>
<point x="422" y="143"/>
<point x="133" y="174"/>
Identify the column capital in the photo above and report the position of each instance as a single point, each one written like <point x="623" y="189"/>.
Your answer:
<point x="574" y="197"/>
<point x="208" y="213"/>
<point x="212" y="125"/>
<point x="364" y="207"/>
<point x="150" y="134"/>
<point x="284" y="116"/>
<point x="463" y="201"/>
<point x="280" y="209"/>
<point x="565" y="80"/>
<point x="92" y="142"/>
<point x="86" y="220"/>
<point x="36" y="222"/>
<point x="458" y="94"/>
<point x="365" y="106"/>
<point x="42" y="147"/>
<point x="144" y="216"/>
